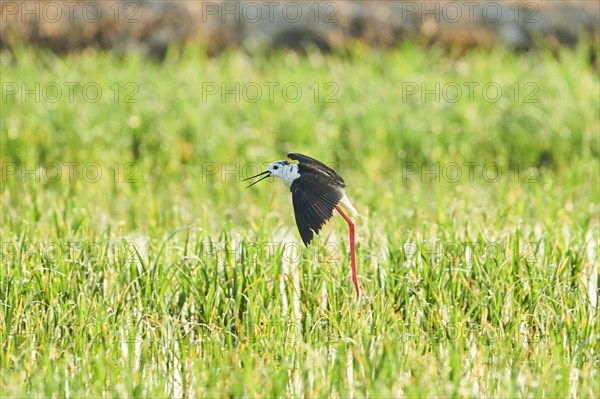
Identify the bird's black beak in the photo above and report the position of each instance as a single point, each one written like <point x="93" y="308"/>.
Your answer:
<point x="266" y="172"/>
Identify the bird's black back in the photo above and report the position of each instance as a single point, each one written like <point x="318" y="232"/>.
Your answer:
<point x="308" y="165"/>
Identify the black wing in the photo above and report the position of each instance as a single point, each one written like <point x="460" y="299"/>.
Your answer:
<point x="308" y="165"/>
<point x="314" y="197"/>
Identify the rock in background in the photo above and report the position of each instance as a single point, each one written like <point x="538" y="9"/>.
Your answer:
<point x="146" y="26"/>
<point x="151" y="26"/>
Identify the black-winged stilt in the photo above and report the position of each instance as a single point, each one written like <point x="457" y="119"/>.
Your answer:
<point x="316" y="191"/>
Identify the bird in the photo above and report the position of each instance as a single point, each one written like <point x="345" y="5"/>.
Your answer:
<point x="317" y="190"/>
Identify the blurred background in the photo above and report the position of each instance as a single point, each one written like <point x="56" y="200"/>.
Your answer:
<point x="151" y="26"/>
<point x="135" y="264"/>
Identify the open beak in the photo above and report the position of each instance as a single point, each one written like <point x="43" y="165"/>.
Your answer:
<point x="265" y="174"/>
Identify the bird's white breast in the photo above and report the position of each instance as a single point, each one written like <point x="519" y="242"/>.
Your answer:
<point x="289" y="174"/>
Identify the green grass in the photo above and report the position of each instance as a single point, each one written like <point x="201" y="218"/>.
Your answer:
<point x="165" y="277"/>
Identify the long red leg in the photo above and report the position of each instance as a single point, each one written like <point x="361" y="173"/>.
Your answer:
<point x="352" y="252"/>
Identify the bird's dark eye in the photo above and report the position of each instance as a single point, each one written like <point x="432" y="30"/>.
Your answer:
<point x="275" y="167"/>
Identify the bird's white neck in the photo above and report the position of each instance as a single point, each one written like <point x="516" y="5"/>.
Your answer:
<point x="288" y="174"/>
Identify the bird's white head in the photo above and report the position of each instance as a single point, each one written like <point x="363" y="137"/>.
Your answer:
<point x="282" y="169"/>
<point x="285" y="171"/>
